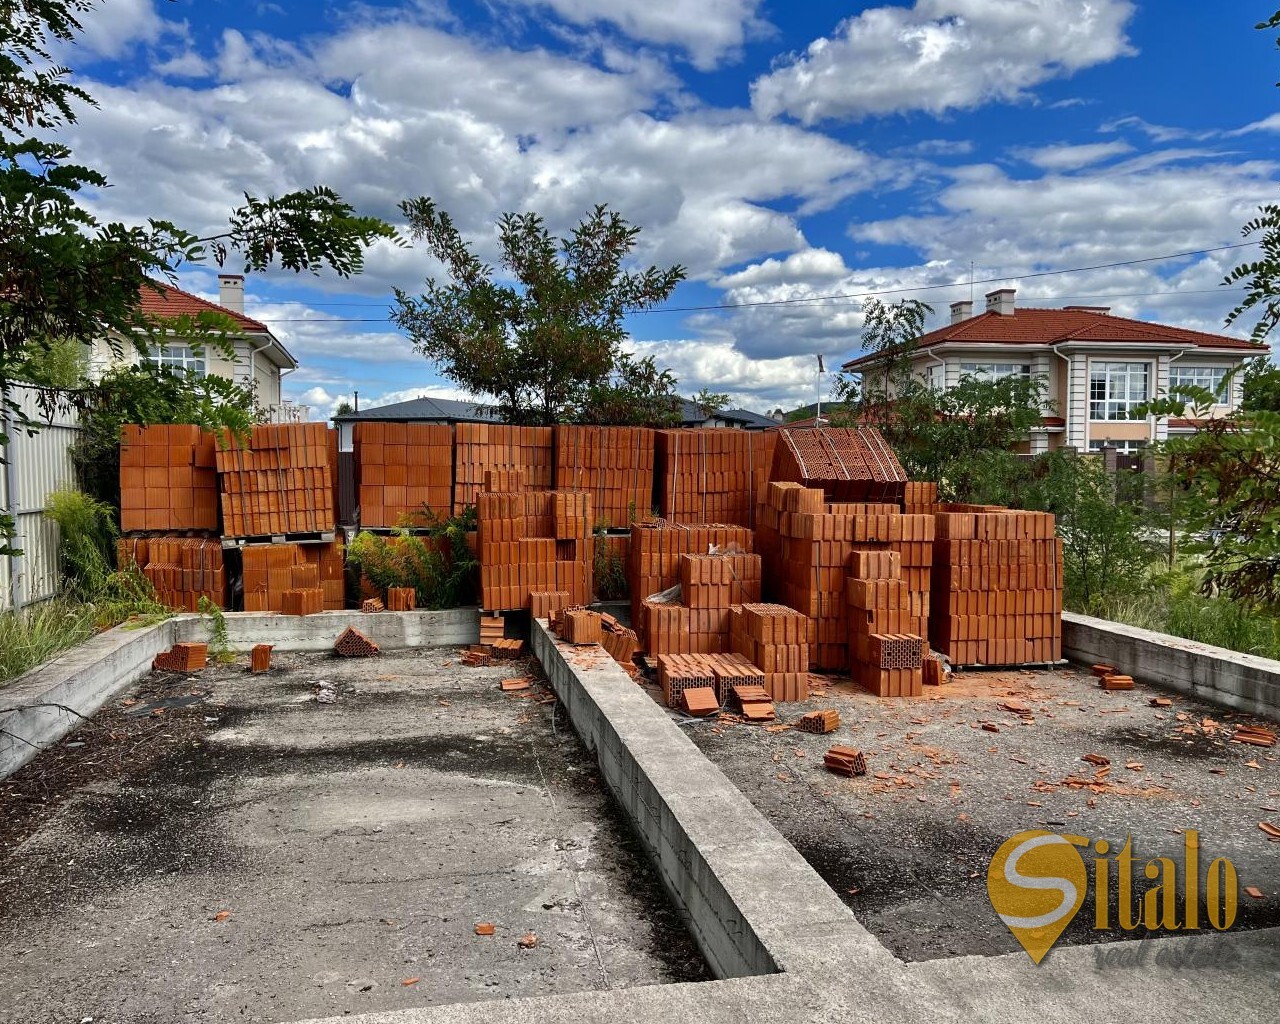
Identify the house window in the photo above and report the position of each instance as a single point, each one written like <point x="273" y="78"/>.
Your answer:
<point x="994" y="371"/>
<point x="1116" y="388"/>
<point x="1123" y="447"/>
<point x="936" y="377"/>
<point x="1208" y="377"/>
<point x="179" y="358"/>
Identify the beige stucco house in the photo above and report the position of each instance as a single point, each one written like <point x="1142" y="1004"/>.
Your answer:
<point x="1097" y="367"/>
<point x="259" y="358"/>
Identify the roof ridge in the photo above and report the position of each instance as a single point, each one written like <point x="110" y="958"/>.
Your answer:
<point x="215" y="306"/>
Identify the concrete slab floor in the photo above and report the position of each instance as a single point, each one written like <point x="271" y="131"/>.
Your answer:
<point x="224" y="846"/>
<point x="907" y="846"/>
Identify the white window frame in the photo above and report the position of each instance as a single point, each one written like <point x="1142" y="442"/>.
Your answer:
<point x="1208" y="377"/>
<point x="995" y="371"/>
<point x="179" y="358"/>
<point x="1128" y="447"/>
<point x="1124" y="386"/>
<point x="935" y="375"/>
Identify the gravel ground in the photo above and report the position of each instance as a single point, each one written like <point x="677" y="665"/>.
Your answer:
<point x="907" y="845"/>
<point x="225" y="846"/>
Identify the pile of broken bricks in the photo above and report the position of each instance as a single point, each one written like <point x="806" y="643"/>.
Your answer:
<point x="1109" y="679"/>
<point x="581" y="626"/>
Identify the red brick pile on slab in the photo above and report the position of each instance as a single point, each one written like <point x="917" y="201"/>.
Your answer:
<point x="734" y="670"/>
<point x="480" y="448"/>
<point x="372" y="604"/>
<point x="403" y="471"/>
<point x="276" y="481"/>
<point x="401" y="599"/>
<point x="492" y="628"/>
<point x="996" y="597"/>
<point x="806" y="545"/>
<point x="302" y="601"/>
<point x="168" y="479"/>
<point x="754" y="703"/>
<point x="612" y="464"/>
<point x="719" y="580"/>
<point x="849" y="464"/>
<point x="776" y="639"/>
<point x="504" y="480"/>
<point x="182" y="569"/>
<point x="846" y="761"/>
<point x="507" y="648"/>
<point x="351" y="643"/>
<point x="711" y="475"/>
<point x="330" y="563"/>
<point x="534" y="541"/>
<point x="819" y="721"/>
<point x="268" y="571"/>
<point x="477" y="656"/>
<point x="260" y="658"/>
<point x="189" y="657"/>
<point x="580" y="626"/>
<point x="678" y="672"/>
<point x="884" y="660"/>
<point x="700" y="700"/>
<point x="621" y="643"/>
<point x="546" y="604"/>
<point x="654" y="566"/>
<point x="1115" y="681"/>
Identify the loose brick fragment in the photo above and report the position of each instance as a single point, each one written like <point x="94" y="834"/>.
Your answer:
<point x="1098" y="759"/>
<point x="1255" y="892"/>
<point x="700" y="700"/>
<point x="1255" y="735"/>
<point x="484" y="928"/>
<point x="512" y="685"/>
<point x="260" y="658"/>
<point x="354" y="644"/>
<point x="372" y="604"/>
<point x="820" y="721"/>
<point x="1102" y="670"/>
<point x="1116" y="682"/>
<point x="759" y="711"/>
<point x="1161" y="702"/>
<point x="847" y="761"/>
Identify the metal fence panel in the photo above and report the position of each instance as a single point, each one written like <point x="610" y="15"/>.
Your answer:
<point x="39" y="464"/>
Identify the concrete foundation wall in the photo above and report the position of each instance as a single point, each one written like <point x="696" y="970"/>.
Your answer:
<point x="389" y="630"/>
<point x="1239" y="681"/>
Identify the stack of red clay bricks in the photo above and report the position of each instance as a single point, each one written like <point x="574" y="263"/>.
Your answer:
<point x="547" y="604"/>
<point x="997" y="587"/>
<point x="167" y="479"/>
<point x="711" y="476"/>
<point x="721" y="672"/>
<point x="330" y="570"/>
<point x="699" y="623"/>
<point x="182" y="658"/>
<point x="483" y="447"/>
<point x="273" y="571"/>
<point x="808" y="544"/>
<point x="776" y="639"/>
<point x="536" y="541"/>
<point x="849" y="464"/>
<point x="920" y="498"/>
<point x="278" y="481"/>
<point x="405" y="469"/>
<point x="182" y="569"/>
<point x="886" y="645"/>
<point x="654" y="566"/>
<point x="401" y="599"/>
<point x="613" y="464"/>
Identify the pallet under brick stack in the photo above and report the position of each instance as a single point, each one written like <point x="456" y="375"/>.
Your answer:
<point x="997" y="587"/>
<point x="280" y="482"/>
<point x="168" y="479"/>
<point x="404" y="469"/>
<point x="533" y="542"/>
<point x="613" y="464"/>
<point x="712" y="475"/>
<point x="482" y="447"/>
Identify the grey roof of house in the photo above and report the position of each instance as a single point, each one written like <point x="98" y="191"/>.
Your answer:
<point x="691" y="415"/>
<point x="426" y="409"/>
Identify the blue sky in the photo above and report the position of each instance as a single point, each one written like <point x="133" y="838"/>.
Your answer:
<point x="779" y="151"/>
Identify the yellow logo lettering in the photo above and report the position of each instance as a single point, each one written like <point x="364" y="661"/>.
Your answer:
<point x="1036" y="882"/>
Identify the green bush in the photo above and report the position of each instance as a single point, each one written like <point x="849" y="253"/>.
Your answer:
<point x="439" y="564"/>
<point x="609" y="570"/>
<point x="34" y="635"/>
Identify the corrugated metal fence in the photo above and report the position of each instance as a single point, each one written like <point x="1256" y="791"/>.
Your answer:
<point x="37" y="465"/>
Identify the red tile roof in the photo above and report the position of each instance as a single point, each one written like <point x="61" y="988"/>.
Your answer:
<point x="1038" y="326"/>
<point x="171" y="301"/>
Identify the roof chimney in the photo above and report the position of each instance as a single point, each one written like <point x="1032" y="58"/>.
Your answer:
<point x="231" y="292"/>
<point x="961" y="311"/>
<point x="1001" y="301"/>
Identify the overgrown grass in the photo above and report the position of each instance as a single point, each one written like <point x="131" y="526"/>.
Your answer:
<point x="1171" y="603"/>
<point x="31" y="637"/>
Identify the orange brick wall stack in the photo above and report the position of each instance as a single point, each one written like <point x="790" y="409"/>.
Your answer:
<point x="711" y="475"/>
<point x="776" y="639"/>
<point x="613" y="464"/>
<point x="480" y="447"/>
<point x="997" y="587"/>
<point x="920" y="497"/>
<point x="182" y="569"/>
<point x="402" y="469"/>
<point x="279" y="482"/>
<point x="330" y="564"/>
<point x="879" y="607"/>
<point x="271" y="570"/>
<point x="654" y="563"/>
<point x="167" y="479"/>
<point x="533" y="541"/>
<point x="847" y="463"/>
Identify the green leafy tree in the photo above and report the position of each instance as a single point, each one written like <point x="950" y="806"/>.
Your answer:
<point x="1260" y="385"/>
<point x="539" y="344"/>
<point x="344" y="408"/>
<point x="635" y="394"/>
<point x="710" y="402"/>
<point x="65" y="276"/>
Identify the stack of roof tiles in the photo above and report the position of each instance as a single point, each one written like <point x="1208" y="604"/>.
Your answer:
<point x="483" y="447"/>
<point x="712" y="476"/>
<point x="847" y="463"/>
<point x="654" y="563"/>
<point x="271" y="571"/>
<point x="276" y="481"/>
<point x="776" y="639"/>
<point x="613" y="464"/>
<point x="167" y="479"/>
<point x="182" y="569"/>
<point x="404" y="469"/>
<point x="535" y="541"/>
<point x="997" y="587"/>
<point x="807" y="545"/>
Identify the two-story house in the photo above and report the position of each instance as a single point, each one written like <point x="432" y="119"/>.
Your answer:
<point x="1097" y="367"/>
<point x="258" y="358"/>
